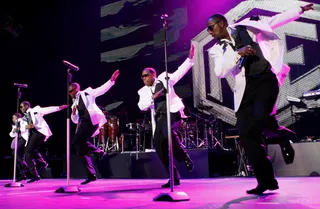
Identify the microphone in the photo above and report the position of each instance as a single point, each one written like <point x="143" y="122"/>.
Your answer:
<point x="19" y="85"/>
<point x="70" y="66"/>
<point x="242" y="61"/>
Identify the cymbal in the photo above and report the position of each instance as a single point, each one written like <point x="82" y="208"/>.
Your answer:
<point x="113" y="106"/>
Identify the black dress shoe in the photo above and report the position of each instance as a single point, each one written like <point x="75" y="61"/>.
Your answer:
<point x="189" y="164"/>
<point x="37" y="178"/>
<point x="89" y="179"/>
<point x="167" y="185"/>
<point x="262" y="188"/>
<point x="287" y="153"/>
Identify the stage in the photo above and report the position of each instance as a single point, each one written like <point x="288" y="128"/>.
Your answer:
<point x="294" y="192"/>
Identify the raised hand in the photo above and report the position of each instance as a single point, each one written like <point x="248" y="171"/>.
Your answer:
<point x="307" y="7"/>
<point x="191" y="52"/>
<point x="63" y="107"/>
<point x="115" y="75"/>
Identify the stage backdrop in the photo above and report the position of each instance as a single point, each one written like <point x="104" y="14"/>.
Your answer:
<point x="102" y="36"/>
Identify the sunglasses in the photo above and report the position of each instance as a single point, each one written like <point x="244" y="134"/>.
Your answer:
<point x="21" y="107"/>
<point x="71" y="90"/>
<point x="144" y="76"/>
<point x="210" y="27"/>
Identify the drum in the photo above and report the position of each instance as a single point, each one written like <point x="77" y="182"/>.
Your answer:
<point x="103" y="134"/>
<point x="113" y="128"/>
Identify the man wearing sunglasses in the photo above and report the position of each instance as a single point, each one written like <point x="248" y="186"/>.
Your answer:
<point x="152" y="96"/>
<point x="89" y="118"/>
<point x="39" y="132"/>
<point x="253" y="54"/>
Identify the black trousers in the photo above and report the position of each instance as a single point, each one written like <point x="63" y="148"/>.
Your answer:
<point x="161" y="141"/>
<point x="254" y="118"/>
<point x="83" y="146"/>
<point x="21" y="163"/>
<point x="33" y="156"/>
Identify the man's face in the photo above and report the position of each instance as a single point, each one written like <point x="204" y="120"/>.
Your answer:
<point x="216" y="28"/>
<point x="148" y="78"/>
<point x="14" y="119"/>
<point x="73" y="91"/>
<point x="24" y="108"/>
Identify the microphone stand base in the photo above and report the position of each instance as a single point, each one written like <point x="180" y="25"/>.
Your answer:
<point x="172" y="197"/>
<point x="68" y="189"/>
<point x="14" y="184"/>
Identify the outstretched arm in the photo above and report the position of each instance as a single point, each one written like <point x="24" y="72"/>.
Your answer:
<point x="184" y="68"/>
<point x="105" y="87"/>
<point x="288" y="16"/>
<point x="48" y="110"/>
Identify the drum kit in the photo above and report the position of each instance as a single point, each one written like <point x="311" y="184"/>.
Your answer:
<point x="114" y="138"/>
<point x="201" y="131"/>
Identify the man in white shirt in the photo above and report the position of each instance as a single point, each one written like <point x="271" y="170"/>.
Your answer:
<point x="38" y="133"/>
<point x="89" y="118"/>
<point x="153" y="96"/>
<point x="16" y="135"/>
<point x="253" y="54"/>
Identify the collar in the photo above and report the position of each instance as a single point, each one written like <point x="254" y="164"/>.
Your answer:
<point x="229" y="29"/>
<point x="154" y="83"/>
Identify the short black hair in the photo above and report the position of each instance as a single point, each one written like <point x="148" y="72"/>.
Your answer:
<point x="150" y="70"/>
<point x="219" y="17"/>
<point x="24" y="103"/>
<point x="18" y="115"/>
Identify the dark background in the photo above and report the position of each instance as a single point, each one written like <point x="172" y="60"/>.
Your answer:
<point x="53" y="31"/>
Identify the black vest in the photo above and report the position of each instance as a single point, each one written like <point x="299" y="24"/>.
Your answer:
<point x="160" y="102"/>
<point x="83" y="112"/>
<point x="253" y="64"/>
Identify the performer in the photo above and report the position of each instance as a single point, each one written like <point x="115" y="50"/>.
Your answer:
<point x="16" y="134"/>
<point x="39" y="132"/>
<point x="152" y="96"/>
<point x="89" y="118"/>
<point x="253" y="54"/>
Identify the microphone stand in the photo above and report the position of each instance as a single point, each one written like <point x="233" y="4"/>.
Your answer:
<point x="68" y="188"/>
<point x="14" y="183"/>
<point x="171" y="196"/>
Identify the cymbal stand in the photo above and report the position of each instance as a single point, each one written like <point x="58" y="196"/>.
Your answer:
<point x="197" y="131"/>
<point x="216" y="142"/>
<point x="186" y="141"/>
<point x="204" y="142"/>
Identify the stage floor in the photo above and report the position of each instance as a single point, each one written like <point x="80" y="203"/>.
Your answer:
<point x="294" y="192"/>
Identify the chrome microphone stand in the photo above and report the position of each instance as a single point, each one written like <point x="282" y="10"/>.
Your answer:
<point x="170" y="196"/>
<point x="68" y="188"/>
<point x="14" y="183"/>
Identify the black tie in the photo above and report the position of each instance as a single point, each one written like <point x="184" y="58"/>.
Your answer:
<point x="225" y="44"/>
<point x="29" y="119"/>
